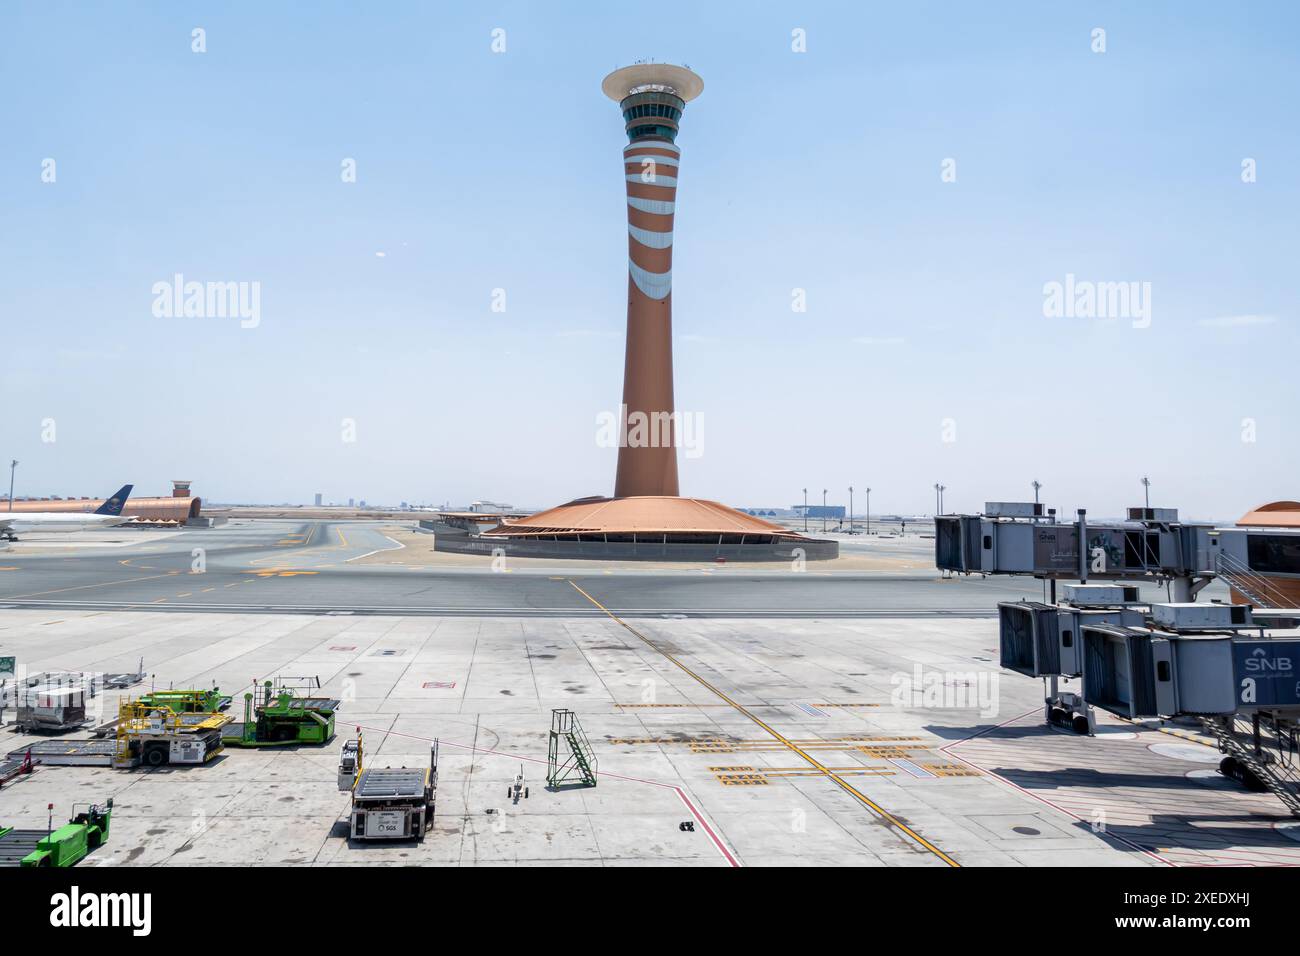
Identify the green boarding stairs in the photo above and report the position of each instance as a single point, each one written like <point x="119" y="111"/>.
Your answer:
<point x="569" y="756"/>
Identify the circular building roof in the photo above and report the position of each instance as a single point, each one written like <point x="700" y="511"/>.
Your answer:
<point x="1276" y="514"/>
<point x="652" y="76"/>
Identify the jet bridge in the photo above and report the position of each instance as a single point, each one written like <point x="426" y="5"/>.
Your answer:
<point x="1018" y="539"/>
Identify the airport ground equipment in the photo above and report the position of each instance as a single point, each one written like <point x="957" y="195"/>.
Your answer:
<point x="51" y="701"/>
<point x="517" y="790"/>
<point x="187" y="701"/>
<point x="62" y="847"/>
<point x="279" y="717"/>
<point x="569" y="755"/>
<point x="155" y="736"/>
<point x="17" y="764"/>
<point x="180" y="701"/>
<point x="67" y="752"/>
<point x="123" y="681"/>
<point x="388" y="803"/>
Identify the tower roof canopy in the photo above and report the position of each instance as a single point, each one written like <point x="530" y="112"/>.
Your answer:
<point x="652" y="76"/>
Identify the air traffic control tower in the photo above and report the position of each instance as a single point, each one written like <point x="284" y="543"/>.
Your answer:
<point x="647" y="518"/>
<point x="652" y="97"/>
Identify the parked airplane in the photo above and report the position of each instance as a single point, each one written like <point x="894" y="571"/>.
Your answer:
<point x="105" y="516"/>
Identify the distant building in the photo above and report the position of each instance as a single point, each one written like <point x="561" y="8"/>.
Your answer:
<point x="488" y="507"/>
<point x="318" y="498"/>
<point x="352" y="503"/>
<point x="822" y="511"/>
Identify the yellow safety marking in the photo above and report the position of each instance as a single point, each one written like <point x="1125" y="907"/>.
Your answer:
<point x="740" y="708"/>
<point x="742" y="779"/>
<point x="278" y="572"/>
<point x="206" y="590"/>
<point x="310" y="535"/>
<point x="11" y="569"/>
<point x="950" y="770"/>
<point x="185" y="594"/>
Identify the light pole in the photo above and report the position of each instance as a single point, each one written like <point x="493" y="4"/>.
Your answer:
<point x="850" y="509"/>
<point x="937" y="506"/>
<point x="823" y="511"/>
<point x="805" y="511"/>
<point x="1146" y="489"/>
<point x="13" y="465"/>
<point x="1036" y="487"/>
<point x="868" y="512"/>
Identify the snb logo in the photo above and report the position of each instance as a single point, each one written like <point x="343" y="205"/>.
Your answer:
<point x="1259" y="662"/>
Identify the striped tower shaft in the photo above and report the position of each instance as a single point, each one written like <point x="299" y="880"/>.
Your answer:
<point x="647" y="456"/>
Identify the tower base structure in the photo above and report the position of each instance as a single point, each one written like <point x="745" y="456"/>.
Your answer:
<point x="649" y="528"/>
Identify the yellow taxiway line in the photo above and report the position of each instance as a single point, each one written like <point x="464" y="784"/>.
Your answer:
<point x="822" y="768"/>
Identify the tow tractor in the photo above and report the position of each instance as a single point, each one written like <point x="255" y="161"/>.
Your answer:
<point x="63" y="847"/>
<point x="188" y="701"/>
<point x="388" y="803"/>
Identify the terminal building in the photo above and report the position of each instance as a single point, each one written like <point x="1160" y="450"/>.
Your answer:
<point x="178" y="509"/>
<point x="1273" y="549"/>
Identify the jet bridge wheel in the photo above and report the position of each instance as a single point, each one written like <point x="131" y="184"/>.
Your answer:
<point x="1234" y="769"/>
<point x="1079" y="724"/>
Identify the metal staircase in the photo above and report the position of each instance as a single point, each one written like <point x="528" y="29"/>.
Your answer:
<point x="1266" y="748"/>
<point x="569" y="755"/>
<point x="1254" y="587"/>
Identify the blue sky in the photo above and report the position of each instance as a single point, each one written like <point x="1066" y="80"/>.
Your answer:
<point x="817" y="170"/>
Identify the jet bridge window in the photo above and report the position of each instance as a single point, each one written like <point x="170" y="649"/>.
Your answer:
<point x="1273" y="553"/>
<point x="1141" y="549"/>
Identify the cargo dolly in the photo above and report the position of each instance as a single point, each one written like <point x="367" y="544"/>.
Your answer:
<point x="68" y="753"/>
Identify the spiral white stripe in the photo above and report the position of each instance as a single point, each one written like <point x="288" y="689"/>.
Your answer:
<point x="655" y="285"/>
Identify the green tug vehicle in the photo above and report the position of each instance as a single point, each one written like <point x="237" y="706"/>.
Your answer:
<point x="186" y="701"/>
<point x="281" y="717"/>
<point x="64" y="847"/>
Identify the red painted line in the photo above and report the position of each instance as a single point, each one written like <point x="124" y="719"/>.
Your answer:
<point x="699" y="817"/>
<point x="1029" y="793"/>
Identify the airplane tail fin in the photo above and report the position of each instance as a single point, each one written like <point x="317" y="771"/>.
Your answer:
<point x="113" y="504"/>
